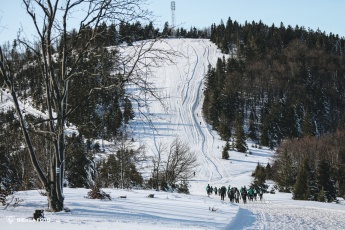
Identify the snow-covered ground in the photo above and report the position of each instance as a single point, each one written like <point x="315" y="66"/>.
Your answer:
<point x="182" y="83"/>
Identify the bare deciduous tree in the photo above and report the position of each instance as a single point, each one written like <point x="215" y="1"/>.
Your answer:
<point x="51" y="20"/>
<point x="180" y="163"/>
<point x="157" y="160"/>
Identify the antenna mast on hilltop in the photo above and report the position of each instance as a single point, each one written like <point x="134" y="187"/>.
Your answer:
<point x="173" y="14"/>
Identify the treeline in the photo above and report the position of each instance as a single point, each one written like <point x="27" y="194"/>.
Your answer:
<point x="276" y="83"/>
<point x="136" y="32"/>
<point x="312" y="168"/>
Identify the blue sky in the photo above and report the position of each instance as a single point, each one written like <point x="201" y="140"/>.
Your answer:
<point x="327" y="15"/>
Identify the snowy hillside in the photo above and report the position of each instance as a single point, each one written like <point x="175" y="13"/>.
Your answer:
<point x="180" y="116"/>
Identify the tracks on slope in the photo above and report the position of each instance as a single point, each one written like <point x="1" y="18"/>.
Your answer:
<point x="210" y="159"/>
<point x="220" y="166"/>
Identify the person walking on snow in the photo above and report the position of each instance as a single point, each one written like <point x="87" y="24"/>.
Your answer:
<point x="229" y="189"/>
<point x="244" y="194"/>
<point x="222" y="192"/>
<point x="237" y="196"/>
<point x="208" y="190"/>
<point x="250" y="193"/>
<point x="260" y="194"/>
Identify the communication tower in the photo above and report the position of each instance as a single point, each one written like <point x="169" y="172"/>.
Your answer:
<point x="173" y="7"/>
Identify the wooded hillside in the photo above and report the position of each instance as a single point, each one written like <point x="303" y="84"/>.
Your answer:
<point x="277" y="82"/>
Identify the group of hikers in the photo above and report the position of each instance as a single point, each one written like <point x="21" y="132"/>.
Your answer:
<point x="235" y="194"/>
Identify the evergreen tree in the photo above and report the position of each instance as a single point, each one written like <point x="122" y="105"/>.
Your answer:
<point x="225" y="152"/>
<point x="6" y="173"/>
<point x="240" y="143"/>
<point x="341" y="180"/>
<point x="128" y="113"/>
<point x="322" y="197"/>
<point x="307" y="125"/>
<point x="285" y="176"/>
<point x="268" y="171"/>
<point x="78" y="164"/>
<point x="340" y="171"/>
<point x="301" y="189"/>
<point x="259" y="176"/>
<point x="288" y="121"/>
<point x="264" y="138"/>
<point x="167" y="29"/>
<point x="325" y="182"/>
<point x="224" y="127"/>
<point x="313" y="187"/>
<point x="252" y="126"/>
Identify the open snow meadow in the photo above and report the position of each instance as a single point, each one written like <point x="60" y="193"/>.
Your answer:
<point x="181" y="83"/>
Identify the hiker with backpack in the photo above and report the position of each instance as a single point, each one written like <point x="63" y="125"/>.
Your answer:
<point x="237" y="196"/>
<point x="250" y="193"/>
<point x="232" y="194"/>
<point x="208" y="190"/>
<point x="244" y="194"/>
<point x="260" y="194"/>
<point x="222" y="192"/>
<point x="255" y="193"/>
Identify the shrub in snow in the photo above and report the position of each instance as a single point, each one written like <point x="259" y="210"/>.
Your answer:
<point x="97" y="193"/>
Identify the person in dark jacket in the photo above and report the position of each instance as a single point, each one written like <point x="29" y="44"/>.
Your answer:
<point x="208" y="190"/>
<point x="244" y="195"/>
<point x="222" y="192"/>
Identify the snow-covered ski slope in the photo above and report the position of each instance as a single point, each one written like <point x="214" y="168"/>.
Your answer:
<point x="181" y="83"/>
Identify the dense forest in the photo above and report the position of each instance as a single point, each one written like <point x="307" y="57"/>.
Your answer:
<point x="282" y="87"/>
<point x="277" y="82"/>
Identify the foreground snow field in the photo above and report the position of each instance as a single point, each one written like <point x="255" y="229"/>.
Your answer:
<point x="172" y="211"/>
<point x="182" y="83"/>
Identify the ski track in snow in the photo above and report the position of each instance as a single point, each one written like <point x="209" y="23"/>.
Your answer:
<point x="183" y="82"/>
